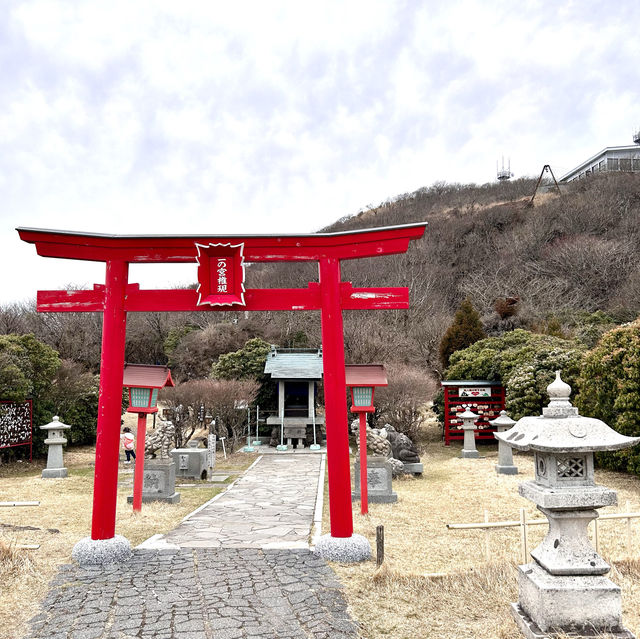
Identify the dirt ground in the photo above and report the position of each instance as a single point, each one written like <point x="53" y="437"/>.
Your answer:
<point x="468" y="596"/>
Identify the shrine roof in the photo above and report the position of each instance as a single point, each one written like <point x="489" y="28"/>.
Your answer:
<point x="146" y="376"/>
<point x="294" y="364"/>
<point x="366" y="375"/>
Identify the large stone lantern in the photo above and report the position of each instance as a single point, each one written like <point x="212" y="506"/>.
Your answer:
<point x="55" y="441"/>
<point x="564" y="589"/>
<point x="469" y="450"/>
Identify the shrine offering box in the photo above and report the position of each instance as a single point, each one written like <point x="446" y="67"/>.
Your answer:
<point x="484" y="398"/>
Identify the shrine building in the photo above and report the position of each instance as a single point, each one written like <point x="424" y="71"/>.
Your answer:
<point x="297" y="372"/>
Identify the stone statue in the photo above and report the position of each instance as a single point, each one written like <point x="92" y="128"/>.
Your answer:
<point x="378" y="445"/>
<point x="402" y="447"/>
<point x="161" y="441"/>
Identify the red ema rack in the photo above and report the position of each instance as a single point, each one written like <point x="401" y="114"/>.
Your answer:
<point x="482" y="397"/>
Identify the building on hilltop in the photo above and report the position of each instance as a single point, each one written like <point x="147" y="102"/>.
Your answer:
<point x="612" y="158"/>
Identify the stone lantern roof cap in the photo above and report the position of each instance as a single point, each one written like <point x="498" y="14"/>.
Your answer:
<point x="503" y="420"/>
<point x="560" y="429"/>
<point x="55" y="424"/>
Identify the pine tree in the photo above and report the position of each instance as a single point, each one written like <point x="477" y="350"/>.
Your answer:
<point x="466" y="329"/>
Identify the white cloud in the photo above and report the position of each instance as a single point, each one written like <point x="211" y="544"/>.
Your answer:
<point x="157" y="116"/>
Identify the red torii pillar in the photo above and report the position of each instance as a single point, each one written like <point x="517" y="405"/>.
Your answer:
<point x="116" y="298"/>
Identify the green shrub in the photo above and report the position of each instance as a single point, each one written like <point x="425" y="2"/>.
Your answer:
<point x="610" y="390"/>
<point x="248" y="364"/>
<point x="524" y="362"/>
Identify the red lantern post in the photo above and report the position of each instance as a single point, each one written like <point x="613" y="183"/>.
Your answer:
<point x="363" y="378"/>
<point x="144" y="382"/>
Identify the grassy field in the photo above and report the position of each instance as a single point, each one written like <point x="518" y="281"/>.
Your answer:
<point x="468" y="596"/>
<point x="63" y="517"/>
<point x="435" y="582"/>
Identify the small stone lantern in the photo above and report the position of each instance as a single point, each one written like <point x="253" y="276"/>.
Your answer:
<point x="564" y="589"/>
<point x="505" y="464"/>
<point x="55" y="440"/>
<point x="469" y="449"/>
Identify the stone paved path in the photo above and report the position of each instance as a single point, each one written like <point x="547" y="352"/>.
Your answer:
<point x="271" y="506"/>
<point x="222" y="580"/>
<point x="198" y="594"/>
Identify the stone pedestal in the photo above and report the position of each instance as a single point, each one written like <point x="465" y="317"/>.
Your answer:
<point x="190" y="462"/>
<point x="297" y="432"/>
<point x="55" y="441"/>
<point x="159" y="482"/>
<point x="505" y="464"/>
<point x="413" y="468"/>
<point x="469" y="450"/>
<point x="557" y="601"/>
<point x="379" y="487"/>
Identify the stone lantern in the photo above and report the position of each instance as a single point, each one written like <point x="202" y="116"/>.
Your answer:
<point x="55" y="440"/>
<point x="565" y="589"/>
<point x="469" y="449"/>
<point x="505" y="464"/>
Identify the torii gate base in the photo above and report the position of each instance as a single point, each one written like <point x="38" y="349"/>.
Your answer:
<point x="221" y="288"/>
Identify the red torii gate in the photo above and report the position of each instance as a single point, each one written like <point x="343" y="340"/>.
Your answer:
<point x="221" y="257"/>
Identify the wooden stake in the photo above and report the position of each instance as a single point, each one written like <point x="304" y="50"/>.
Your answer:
<point x="379" y="545"/>
<point x="523" y="535"/>
<point x="628" y="509"/>
<point x="486" y="536"/>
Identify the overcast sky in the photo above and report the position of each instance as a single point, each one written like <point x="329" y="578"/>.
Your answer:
<point x="139" y="116"/>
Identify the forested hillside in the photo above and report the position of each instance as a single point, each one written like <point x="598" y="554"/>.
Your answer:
<point x="569" y="265"/>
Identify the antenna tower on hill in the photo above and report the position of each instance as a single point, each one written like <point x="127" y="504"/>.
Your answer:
<point x="636" y="137"/>
<point x="504" y="174"/>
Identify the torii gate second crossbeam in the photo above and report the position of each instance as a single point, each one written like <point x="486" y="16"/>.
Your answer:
<point x="220" y="273"/>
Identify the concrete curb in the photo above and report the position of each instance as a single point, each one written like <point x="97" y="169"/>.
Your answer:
<point x="316" y="527"/>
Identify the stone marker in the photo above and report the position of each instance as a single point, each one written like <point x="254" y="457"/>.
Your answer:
<point x="159" y="482"/>
<point x="505" y="464"/>
<point x="469" y="449"/>
<point x="564" y="588"/>
<point x="55" y="440"/>
<point x="190" y="462"/>
<point x="379" y="473"/>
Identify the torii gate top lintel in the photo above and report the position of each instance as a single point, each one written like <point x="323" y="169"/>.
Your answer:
<point x="342" y="245"/>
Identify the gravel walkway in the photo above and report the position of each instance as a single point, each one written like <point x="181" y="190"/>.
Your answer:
<point x="224" y="577"/>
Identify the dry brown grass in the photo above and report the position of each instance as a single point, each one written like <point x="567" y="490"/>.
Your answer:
<point x="63" y="517"/>
<point x="402" y="600"/>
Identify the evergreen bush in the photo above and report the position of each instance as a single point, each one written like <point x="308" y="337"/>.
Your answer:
<point x="465" y="330"/>
<point x="610" y="391"/>
<point x="525" y="364"/>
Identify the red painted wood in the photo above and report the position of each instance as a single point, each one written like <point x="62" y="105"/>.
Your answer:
<point x="364" y="488"/>
<point x="145" y="249"/>
<point x="268" y="299"/>
<point x="105" y="485"/>
<point x="495" y="403"/>
<point x="116" y="299"/>
<point x="139" y="471"/>
<point x="70" y="301"/>
<point x="336" y="422"/>
<point x="447" y="426"/>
